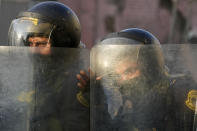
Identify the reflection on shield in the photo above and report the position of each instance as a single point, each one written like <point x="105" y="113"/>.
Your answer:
<point x="38" y="92"/>
<point x="133" y="89"/>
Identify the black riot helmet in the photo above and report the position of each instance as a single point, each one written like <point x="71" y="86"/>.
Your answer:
<point x="138" y="46"/>
<point x="52" y="20"/>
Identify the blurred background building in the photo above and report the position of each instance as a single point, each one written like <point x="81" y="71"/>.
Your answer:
<point x="172" y="21"/>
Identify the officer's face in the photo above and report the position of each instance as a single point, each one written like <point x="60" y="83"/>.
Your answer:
<point x="43" y="43"/>
<point x="39" y="42"/>
<point x="127" y="70"/>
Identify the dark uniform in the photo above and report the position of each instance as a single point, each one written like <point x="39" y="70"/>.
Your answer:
<point x="183" y="92"/>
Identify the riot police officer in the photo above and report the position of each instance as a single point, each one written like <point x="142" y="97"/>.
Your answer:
<point x="131" y="92"/>
<point x="45" y="25"/>
<point x="132" y="88"/>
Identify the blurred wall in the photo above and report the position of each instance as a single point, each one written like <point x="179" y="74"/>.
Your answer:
<point x="100" y="17"/>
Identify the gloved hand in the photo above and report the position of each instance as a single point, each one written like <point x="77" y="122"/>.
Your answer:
<point x="83" y="96"/>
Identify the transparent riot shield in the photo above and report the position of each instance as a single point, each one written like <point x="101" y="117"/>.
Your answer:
<point x="38" y="90"/>
<point x="143" y="88"/>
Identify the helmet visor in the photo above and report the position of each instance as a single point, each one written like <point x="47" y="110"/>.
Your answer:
<point x="22" y="30"/>
<point x="111" y="52"/>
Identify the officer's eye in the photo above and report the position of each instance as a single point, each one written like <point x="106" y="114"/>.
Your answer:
<point x="30" y="43"/>
<point x="41" y="43"/>
<point x="130" y="70"/>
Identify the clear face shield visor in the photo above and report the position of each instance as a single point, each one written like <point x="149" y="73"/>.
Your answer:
<point x="26" y="31"/>
<point x="123" y="56"/>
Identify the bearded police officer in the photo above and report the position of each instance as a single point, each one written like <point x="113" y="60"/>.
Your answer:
<point x="132" y="90"/>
